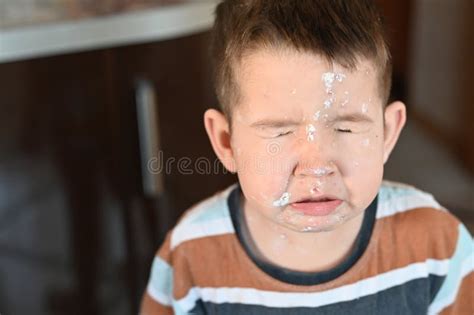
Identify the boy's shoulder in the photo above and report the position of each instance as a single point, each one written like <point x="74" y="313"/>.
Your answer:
<point x="415" y="215"/>
<point x="423" y="239"/>
<point x="208" y="217"/>
<point x="394" y="197"/>
<point x="398" y="199"/>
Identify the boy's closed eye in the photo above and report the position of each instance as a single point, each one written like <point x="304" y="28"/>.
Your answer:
<point x="275" y="134"/>
<point x="274" y="128"/>
<point x="346" y="130"/>
<point x="351" y="128"/>
<point x="351" y="123"/>
<point x="285" y="133"/>
<point x="347" y="123"/>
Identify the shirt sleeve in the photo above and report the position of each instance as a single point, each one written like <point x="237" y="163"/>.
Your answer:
<point x="456" y="295"/>
<point x="158" y="296"/>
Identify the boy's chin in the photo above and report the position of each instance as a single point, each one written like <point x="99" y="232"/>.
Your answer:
<point x="316" y="224"/>
<point x="312" y="229"/>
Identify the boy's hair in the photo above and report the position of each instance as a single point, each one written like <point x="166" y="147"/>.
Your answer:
<point x="341" y="31"/>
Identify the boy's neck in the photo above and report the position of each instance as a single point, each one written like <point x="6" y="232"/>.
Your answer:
<point x="301" y="251"/>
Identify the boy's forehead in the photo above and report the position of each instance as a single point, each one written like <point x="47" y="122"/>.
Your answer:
<point x="285" y="78"/>
<point x="274" y="64"/>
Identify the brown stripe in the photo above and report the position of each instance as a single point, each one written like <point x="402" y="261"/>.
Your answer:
<point x="464" y="303"/>
<point x="416" y="235"/>
<point x="398" y="240"/>
<point x="151" y="307"/>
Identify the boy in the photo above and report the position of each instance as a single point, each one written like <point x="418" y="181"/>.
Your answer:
<point x="311" y="228"/>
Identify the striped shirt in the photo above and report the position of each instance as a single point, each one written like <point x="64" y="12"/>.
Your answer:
<point x="411" y="256"/>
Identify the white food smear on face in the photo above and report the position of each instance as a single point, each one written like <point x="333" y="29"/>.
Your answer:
<point x="340" y="77"/>
<point x="318" y="187"/>
<point x="310" y="131"/>
<point x="321" y="171"/>
<point x="283" y="200"/>
<point x="365" y="142"/>
<point x="328" y="103"/>
<point x="329" y="78"/>
<point x="317" y="115"/>
<point x="346" y="100"/>
<point x="365" y="108"/>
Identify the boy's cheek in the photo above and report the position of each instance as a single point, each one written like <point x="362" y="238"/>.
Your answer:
<point x="361" y="149"/>
<point x="361" y="168"/>
<point x="364" y="185"/>
<point x="263" y="189"/>
<point x="266" y="168"/>
<point x="362" y="175"/>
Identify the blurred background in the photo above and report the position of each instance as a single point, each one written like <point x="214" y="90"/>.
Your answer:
<point x="90" y="91"/>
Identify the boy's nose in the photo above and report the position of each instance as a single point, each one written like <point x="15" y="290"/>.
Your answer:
<point x="314" y="160"/>
<point x="316" y="169"/>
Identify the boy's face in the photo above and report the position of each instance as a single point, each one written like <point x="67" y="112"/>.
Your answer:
<point x="308" y="139"/>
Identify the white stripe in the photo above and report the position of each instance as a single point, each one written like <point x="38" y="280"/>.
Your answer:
<point x="406" y="203"/>
<point x="388" y="184"/>
<point x="189" y="229"/>
<point x="316" y="299"/>
<point x="466" y="268"/>
<point x="213" y="203"/>
<point x="438" y="267"/>
<point x="188" y="232"/>
<point x="158" y="296"/>
<point x="189" y="301"/>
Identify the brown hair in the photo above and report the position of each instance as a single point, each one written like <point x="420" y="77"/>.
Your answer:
<point x="341" y="31"/>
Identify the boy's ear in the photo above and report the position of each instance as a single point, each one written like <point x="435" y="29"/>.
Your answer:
<point x="395" y="118"/>
<point x="218" y="130"/>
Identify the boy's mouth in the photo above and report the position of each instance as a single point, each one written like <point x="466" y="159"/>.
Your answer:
<point x="320" y="206"/>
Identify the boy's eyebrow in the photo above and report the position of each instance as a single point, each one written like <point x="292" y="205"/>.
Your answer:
<point x="352" y="117"/>
<point x="274" y="123"/>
